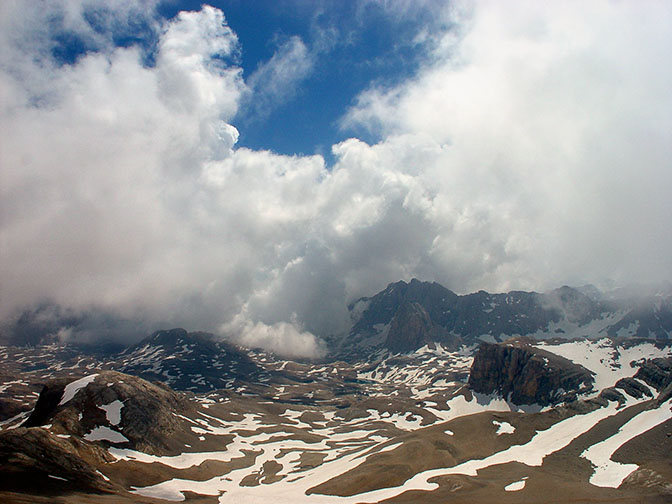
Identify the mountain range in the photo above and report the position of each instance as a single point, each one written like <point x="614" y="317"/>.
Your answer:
<point x="430" y="397"/>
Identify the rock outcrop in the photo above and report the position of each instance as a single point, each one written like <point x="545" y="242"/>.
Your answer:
<point x="64" y="444"/>
<point x="527" y="375"/>
<point x="115" y="409"/>
<point x="656" y="372"/>
<point x="35" y="458"/>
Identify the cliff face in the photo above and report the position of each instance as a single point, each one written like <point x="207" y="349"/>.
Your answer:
<point x="527" y="375"/>
<point x="412" y="327"/>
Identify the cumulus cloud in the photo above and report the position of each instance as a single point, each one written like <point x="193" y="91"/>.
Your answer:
<point x="531" y="150"/>
<point x="100" y="177"/>
<point x="551" y="119"/>
<point x="286" y="339"/>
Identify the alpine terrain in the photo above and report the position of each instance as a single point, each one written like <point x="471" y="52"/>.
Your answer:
<point x="431" y="397"/>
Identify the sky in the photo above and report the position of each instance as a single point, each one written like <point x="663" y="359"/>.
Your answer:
<point x="251" y="167"/>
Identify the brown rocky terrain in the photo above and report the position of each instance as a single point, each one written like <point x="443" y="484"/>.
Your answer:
<point x="418" y="406"/>
<point x="527" y="375"/>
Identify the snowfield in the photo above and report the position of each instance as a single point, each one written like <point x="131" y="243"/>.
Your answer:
<point x="345" y="451"/>
<point x="608" y="361"/>
<point x="609" y="473"/>
<point x="385" y="426"/>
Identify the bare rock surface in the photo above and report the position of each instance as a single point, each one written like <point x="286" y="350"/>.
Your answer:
<point x="527" y="375"/>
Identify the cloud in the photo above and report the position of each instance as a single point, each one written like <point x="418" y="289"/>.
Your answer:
<point x="530" y="150"/>
<point x="286" y="339"/>
<point x="550" y="119"/>
<point x="63" y="30"/>
<point x="277" y="80"/>
<point x="100" y="183"/>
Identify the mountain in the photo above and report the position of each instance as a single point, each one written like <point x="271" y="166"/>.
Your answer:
<point x="188" y="361"/>
<point x="431" y="397"/>
<point x="406" y="316"/>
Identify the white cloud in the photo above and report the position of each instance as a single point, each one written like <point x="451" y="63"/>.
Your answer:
<point x="286" y="339"/>
<point x="551" y="118"/>
<point x="530" y="151"/>
<point x="99" y="182"/>
<point x="277" y="80"/>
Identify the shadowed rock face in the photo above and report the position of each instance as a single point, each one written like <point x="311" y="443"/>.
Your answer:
<point x="656" y="372"/>
<point x="34" y="458"/>
<point x="431" y="313"/>
<point x="527" y="375"/>
<point x="146" y="420"/>
<point x="412" y="328"/>
<point x="652" y="317"/>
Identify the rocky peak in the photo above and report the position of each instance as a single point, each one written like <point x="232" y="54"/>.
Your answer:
<point x="439" y="313"/>
<point x="194" y="361"/>
<point x="170" y="337"/>
<point x="382" y="307"/>
<point x="652" y="317"/>
<point x="527" y="375"/>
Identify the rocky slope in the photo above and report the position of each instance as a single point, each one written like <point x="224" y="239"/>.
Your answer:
<point x="527" y="375"/>
<point x="406" y="316"/>
<point x="119" y="409"/>
<point x="412" y="327"/>
<point x="61" y="447"/>
<point x="404" y="427"/>
<point x="184" y="360"/>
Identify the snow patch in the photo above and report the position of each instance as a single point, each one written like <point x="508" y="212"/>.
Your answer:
<point x="609" y="473"/>
<point x="71" y="389"/>
<point x="504" y="427"/>
<point x="113" y="411"/>
<point x="102" y="433"/>
<point x="516" y="485"/>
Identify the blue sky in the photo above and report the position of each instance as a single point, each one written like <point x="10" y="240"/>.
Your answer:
<point x="251" y="167"/>
<point x="355" y="45"/>
<point x="351" y="46"/>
